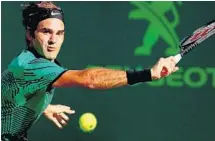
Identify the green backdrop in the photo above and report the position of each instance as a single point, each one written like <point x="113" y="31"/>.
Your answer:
<point x="129" y="35"/>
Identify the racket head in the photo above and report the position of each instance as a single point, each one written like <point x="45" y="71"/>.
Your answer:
<point x="191" y="41"/>
<point x="198" y="36"/>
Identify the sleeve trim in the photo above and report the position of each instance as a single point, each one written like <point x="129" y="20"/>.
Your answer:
<point x="50" y="85"/>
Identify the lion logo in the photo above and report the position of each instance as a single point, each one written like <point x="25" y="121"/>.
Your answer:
<point x="159" y="25"/>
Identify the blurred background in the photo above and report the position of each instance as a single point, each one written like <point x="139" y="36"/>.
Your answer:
<point x="125" y="35"/>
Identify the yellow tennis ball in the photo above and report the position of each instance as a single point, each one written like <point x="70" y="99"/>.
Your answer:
<point x="87" y="122"/>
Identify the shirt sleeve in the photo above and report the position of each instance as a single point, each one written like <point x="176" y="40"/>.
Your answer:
<point x="40" y="74"/>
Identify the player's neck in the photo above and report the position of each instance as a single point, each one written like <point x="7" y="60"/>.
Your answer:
<point x="38" y="55"/>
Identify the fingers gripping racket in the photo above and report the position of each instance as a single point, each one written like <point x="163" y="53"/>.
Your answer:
<point x="192" y="41"/>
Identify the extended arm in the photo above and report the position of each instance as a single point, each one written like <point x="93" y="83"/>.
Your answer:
<point x="103" y="78"/>
<point x="94" y="78"/>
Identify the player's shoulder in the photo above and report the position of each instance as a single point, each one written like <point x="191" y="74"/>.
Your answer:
<point x="25" y="60"/>
<point x="22" y="59"/>
<point x="18" y="64"/>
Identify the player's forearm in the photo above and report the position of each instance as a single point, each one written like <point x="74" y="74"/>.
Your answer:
<point x="102" y="78"/>
<point x="94" y="78"/>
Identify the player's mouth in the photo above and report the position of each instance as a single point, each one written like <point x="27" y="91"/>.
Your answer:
<point x="51" y="49"/>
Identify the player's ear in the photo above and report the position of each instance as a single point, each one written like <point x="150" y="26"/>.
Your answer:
<point x="28" y="35"/>
<point x="29" y="38"/>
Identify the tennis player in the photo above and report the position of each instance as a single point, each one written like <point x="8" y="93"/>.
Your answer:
<point x="29" y="82"/>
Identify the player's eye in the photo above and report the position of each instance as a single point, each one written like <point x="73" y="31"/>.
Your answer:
<point x="60" y="33"/>
<point x="46" y="31"/>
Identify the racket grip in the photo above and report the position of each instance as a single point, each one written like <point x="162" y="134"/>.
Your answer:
<point x="177" y="58"/>
<point x="164" y="71"/>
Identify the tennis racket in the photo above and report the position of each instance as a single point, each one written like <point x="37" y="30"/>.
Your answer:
<point x="192" y="41"/>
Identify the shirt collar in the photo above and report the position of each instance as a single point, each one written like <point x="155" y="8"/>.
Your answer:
<point x="37" y="55"/>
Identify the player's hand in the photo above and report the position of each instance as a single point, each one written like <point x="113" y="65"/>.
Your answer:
<point x="168" y="63"/>
<point x="57" y="114"/>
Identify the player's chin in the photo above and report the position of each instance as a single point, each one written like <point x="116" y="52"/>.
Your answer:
<point x="51" y="56"/>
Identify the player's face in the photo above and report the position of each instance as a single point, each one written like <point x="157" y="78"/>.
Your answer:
<point x="49" y="37"/>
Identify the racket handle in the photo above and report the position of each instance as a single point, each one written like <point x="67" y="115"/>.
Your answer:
<point x="177" y="58"/>
<point x="164" y="71"/>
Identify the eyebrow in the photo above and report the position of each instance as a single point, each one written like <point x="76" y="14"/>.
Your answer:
<point x="61" y="30"/>
<point x="50" y="30"/>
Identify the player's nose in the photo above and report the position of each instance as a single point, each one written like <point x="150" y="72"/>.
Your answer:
<point x="52" y="40"/>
